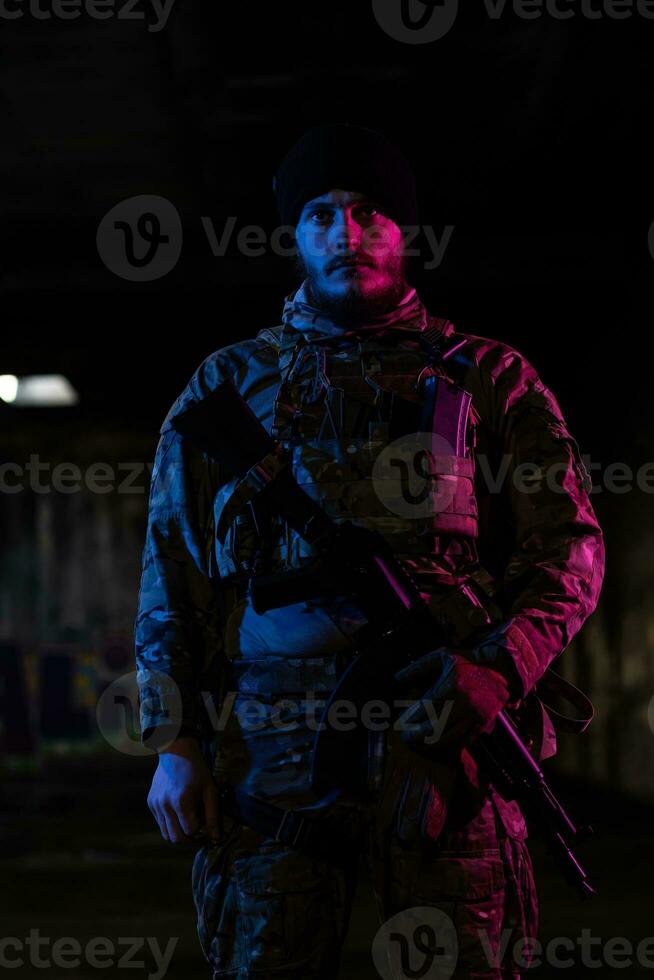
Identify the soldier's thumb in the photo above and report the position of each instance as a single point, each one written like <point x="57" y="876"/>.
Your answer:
<point x="211" y="809"/>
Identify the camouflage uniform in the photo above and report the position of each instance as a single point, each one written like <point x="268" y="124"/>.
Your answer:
<point x="264" y="909"/>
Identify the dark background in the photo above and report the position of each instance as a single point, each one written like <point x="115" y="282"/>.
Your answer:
<point x="530" y="137"/>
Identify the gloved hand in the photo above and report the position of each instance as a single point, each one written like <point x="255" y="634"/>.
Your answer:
<point x="462" y="701"/>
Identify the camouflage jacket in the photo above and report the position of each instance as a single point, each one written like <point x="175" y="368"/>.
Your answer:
<point x="544" y="547"/>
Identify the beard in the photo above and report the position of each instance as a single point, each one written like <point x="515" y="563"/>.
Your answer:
<point x="354" y="308"/>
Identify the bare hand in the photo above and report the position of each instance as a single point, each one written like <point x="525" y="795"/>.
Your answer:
<point x="184" y="796"/>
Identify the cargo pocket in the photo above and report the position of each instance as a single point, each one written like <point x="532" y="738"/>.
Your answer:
<point x="216" y="906"/>
<point x="286" y="911"/>
<point x="469" y="888"/>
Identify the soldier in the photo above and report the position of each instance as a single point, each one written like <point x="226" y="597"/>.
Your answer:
<point x="511" y="570"/>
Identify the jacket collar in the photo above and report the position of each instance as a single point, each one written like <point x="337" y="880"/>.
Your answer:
<point x="299" y="316"/>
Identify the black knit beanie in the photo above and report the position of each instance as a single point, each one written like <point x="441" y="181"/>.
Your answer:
<point x="350" y="157"/>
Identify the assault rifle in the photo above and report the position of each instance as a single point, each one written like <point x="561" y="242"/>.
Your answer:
<point x="354" y="561"/>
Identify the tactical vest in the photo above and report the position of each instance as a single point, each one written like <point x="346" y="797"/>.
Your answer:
<point x="337" y="408"/>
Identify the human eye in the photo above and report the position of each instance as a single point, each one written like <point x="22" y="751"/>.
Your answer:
<point x="319" y="216"/>
<point x="369" y="210"/>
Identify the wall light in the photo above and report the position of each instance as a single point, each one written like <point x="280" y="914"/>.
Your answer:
<point x="43" y="390"/>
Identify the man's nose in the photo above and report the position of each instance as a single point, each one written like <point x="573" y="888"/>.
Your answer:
<point x="347" y="231"/>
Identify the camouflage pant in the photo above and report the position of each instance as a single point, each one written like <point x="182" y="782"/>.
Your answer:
<point x="265" y="910"/>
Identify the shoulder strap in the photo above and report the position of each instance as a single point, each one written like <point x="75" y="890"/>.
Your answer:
<point x="540" y="723"/>
<point x="553" y="683"/>
<point x="435" y="344"/>
<point x="286" y="342"/>
<point x="271" y="336"/>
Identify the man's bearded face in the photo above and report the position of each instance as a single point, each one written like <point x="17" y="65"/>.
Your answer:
<point x="351" y="254"/>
